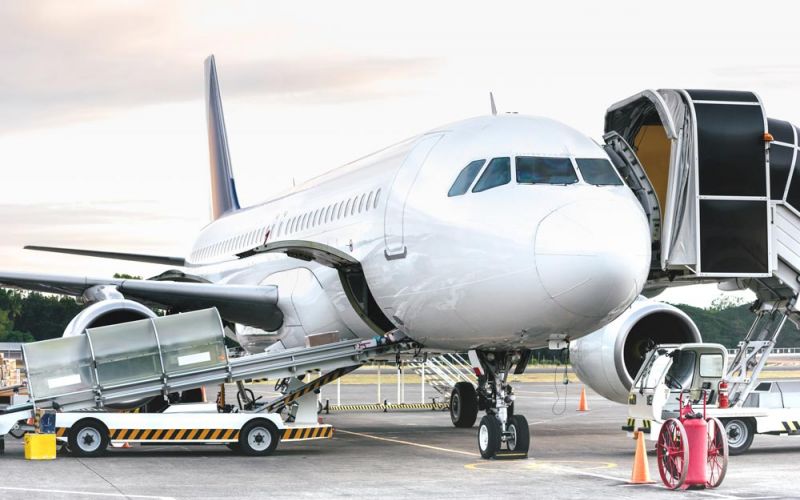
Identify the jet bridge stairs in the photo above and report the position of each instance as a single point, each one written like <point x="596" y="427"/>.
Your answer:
<point x="719" y="184"/>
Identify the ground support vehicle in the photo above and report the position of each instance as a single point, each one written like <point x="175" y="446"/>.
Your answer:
<point x="89" y="433"/>
<point x="130" y="364"/>
<point x="735" y="395"/>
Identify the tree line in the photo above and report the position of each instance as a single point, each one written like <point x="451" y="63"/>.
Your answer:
<point x="29" y="316"/>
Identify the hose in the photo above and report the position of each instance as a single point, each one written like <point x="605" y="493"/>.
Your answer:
<point x="565" y="382"/>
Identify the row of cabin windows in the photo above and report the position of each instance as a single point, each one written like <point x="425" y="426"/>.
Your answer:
<point x="287" y="226"/>
<point x="534" y="170"/>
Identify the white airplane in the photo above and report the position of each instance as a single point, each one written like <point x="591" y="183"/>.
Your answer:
<point x="493" y="236"/>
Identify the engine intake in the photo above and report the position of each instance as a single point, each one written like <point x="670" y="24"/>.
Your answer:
<point x="105" y="313"/>
<point x="607" y="360"/>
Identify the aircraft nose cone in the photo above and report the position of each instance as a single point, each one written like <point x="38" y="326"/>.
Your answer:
<point x="593" y="256"/>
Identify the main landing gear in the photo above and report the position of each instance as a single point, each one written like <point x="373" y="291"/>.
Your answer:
<point x="500" y="432"/>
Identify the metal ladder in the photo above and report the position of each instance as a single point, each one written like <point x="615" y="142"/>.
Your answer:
<point x="442" y="372"/>
<point x="755" y="349"/>
<point x="633" y="172"/>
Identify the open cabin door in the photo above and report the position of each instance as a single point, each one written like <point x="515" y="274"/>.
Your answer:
<point x="698" y="161"/>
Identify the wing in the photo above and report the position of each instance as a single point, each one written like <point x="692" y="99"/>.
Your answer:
<point x="249" y="305"/>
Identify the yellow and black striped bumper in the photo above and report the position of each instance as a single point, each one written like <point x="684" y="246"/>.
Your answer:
<point x="386" y="407"/>
<point x="166" y="434"/>
<point x="301" y="433"/>
<point x="791" y="426"/>
<point x="630" y="426"/>
<point x="205" y="435"/>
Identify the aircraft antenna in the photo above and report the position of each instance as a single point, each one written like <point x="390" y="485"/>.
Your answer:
<point x="491" y="101"/>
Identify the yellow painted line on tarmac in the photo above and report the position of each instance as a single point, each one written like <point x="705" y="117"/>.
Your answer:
<point x="557" y="465"/>
<point x="408" y="443"/>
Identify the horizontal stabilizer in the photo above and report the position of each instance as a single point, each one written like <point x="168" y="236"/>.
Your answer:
<point x="134" y="257"/>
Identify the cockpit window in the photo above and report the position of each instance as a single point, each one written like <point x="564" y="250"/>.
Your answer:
<point x="465" y="178"/>
<point x="542" y="170"/>
<point x="598" y="171"/>
<point x="496" y="174"/>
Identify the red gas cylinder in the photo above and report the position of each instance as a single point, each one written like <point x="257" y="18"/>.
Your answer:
<point x="697" y="441"/>
<point x="724" y="402"/>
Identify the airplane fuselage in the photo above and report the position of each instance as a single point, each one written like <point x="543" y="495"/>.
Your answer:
<point x="499" y="267"/>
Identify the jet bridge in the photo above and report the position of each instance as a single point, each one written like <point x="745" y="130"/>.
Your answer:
<point x="147" y="358"/>
<point x="699" y="162"/>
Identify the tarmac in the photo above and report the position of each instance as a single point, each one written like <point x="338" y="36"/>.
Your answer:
<point x="403" y="454"/>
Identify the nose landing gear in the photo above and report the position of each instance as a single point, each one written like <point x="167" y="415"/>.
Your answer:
<point x="501" y="434"/>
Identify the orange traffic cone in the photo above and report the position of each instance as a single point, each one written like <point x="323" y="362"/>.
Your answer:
<point x="582" y="404"/>
<point x="641" y="472"/>
<point x="126" y="445"/>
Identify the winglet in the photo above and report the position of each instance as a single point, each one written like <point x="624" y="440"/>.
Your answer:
<point x="223" y="189"/>
<point x="491" y="101"/>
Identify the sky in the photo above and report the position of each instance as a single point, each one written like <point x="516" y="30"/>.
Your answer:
<point x="102" y="124"/>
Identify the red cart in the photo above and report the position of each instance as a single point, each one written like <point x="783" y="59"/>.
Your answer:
<point x="692" y="449"/>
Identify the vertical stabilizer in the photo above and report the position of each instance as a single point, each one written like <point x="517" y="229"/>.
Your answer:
<point x="223" y="189"/>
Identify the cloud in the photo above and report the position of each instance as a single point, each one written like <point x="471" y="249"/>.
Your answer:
<point x="773" y="76"/>
<point x="65" y="62"/>
<point x="109" y="225"/>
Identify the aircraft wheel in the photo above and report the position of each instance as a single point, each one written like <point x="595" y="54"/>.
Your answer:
<point x="463" y="405"/>
<point x="489" y="436"/>
<point x="519" y="439"/>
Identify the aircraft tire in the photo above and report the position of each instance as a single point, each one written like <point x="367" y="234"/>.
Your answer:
<point x="463" y="405"/>
<point x="489" y="436"/>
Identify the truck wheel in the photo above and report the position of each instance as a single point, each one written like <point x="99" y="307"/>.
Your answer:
<point x="259" y="437"/>
<point x="463" y="405"/>
<point x="88" y="438"/>
<point x="740" y="435"/>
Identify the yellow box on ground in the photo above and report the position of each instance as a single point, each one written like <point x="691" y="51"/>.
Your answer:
<point x="40" y="446"/>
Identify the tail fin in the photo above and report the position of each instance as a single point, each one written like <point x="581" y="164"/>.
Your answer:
<point x="223" y="188"/>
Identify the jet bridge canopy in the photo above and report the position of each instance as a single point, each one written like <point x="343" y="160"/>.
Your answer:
<point x="703" y="154"/>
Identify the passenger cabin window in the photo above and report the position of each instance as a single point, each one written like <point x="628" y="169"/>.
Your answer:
<point x="497" y="173"/>
<point x="465" y="178"/>
<point x="598" y="171"/>
<point x="542" y="170"/>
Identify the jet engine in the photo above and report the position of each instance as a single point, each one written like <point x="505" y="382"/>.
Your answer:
<point x="105" y="313"/>
<point x="607" y="360"/>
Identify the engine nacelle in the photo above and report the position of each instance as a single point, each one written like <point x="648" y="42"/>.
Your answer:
<point x="607" y="360"/>
<point x="105" y="313"/>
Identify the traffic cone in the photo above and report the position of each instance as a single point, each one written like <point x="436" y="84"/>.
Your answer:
<point x="126" y="445"/>
<point x="582" y="404"/>
<point x="641" y="472"/>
